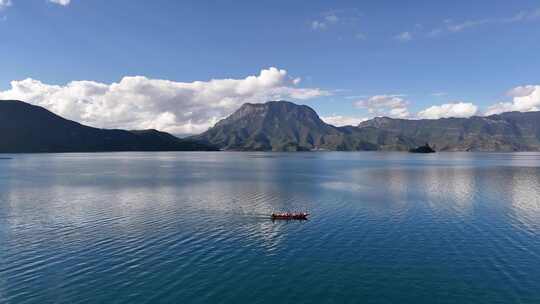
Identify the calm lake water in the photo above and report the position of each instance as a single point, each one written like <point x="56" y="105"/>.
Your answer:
<point x="194" y="228"/>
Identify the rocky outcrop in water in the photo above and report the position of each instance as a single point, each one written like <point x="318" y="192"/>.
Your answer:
<point x="423" y="149"/>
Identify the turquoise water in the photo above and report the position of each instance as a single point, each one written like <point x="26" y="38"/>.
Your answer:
<point x="194" y="228"/>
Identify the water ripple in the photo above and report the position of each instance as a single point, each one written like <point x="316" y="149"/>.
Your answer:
<point x="194" y="228"/>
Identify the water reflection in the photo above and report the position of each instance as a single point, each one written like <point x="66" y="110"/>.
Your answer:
<point x="196" y="225"/>
<point x="523" y="191"/>
<point x="440" y="188"/>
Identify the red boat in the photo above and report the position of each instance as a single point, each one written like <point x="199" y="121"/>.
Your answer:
<point x="290" y="216"/>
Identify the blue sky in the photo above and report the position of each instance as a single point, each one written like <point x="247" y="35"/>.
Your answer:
<point x="412" y="54"/>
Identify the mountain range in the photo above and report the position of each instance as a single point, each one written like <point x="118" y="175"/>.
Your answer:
<point x="285" y="126"/>
<point x="25" y="128"/>
<point x="271" y="126"/>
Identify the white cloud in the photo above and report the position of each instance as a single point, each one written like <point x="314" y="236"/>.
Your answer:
<point x="459" y="109"/>
<point x="439" y="94"/>
<point x="524" y="99"/>
<point x="385" y="105"/>
<point x="467" y="24"/>
<point x="326" y="19"/>
<point x="398" y="113"/>
<point x="517" y="17"/>
<point x="339" y="121"/>
<point x="61" y="2"/>
<point x="521" y="91"/>
<point x="318" y="25"/>
<point x="4" y="4"/>
<point x="331" y="18"/>
<point x="450" y="26"/>
<point x="404" y="37"/>
<point x="137" y="102"/>
<point x="524" y="16"/>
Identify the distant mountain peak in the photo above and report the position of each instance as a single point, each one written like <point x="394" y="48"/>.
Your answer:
<point x="376" y="122"/>
<point x="271" y="108"/>
<point x="274" y="125"/>
<point x="274" y="105"/>
<point x="284" y="126"/>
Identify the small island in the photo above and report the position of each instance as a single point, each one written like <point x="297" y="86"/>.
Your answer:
<point x="422" y="149"/>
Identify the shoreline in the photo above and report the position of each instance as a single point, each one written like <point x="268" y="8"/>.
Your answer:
<point x="261" y="152"/>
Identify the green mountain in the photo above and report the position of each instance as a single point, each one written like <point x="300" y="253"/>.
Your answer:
<point x="285" y="126"/>
<point x="273" y="126"/>
<point x="25" y="128"/>
<point x="513" y="131"/>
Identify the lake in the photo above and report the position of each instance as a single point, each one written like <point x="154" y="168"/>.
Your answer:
<point x="195" y="228"/>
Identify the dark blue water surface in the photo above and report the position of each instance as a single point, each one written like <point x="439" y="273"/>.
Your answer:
<point x="194" y="228"/>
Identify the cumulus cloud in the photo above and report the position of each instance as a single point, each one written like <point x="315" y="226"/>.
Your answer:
<point x="4" y="4"/>
<point x="459" y="109"/>
<point x="137" y="102"/>
<point x="340" y="121"/>
<point x="385" y="105"/>
<point x="404" y="37"/>
<point x="522" y="91"/>
<point x="61" y="2"/>
<point x="524" y="99"/>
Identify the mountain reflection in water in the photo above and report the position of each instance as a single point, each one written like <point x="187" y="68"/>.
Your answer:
<point x="195" y="228"/>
